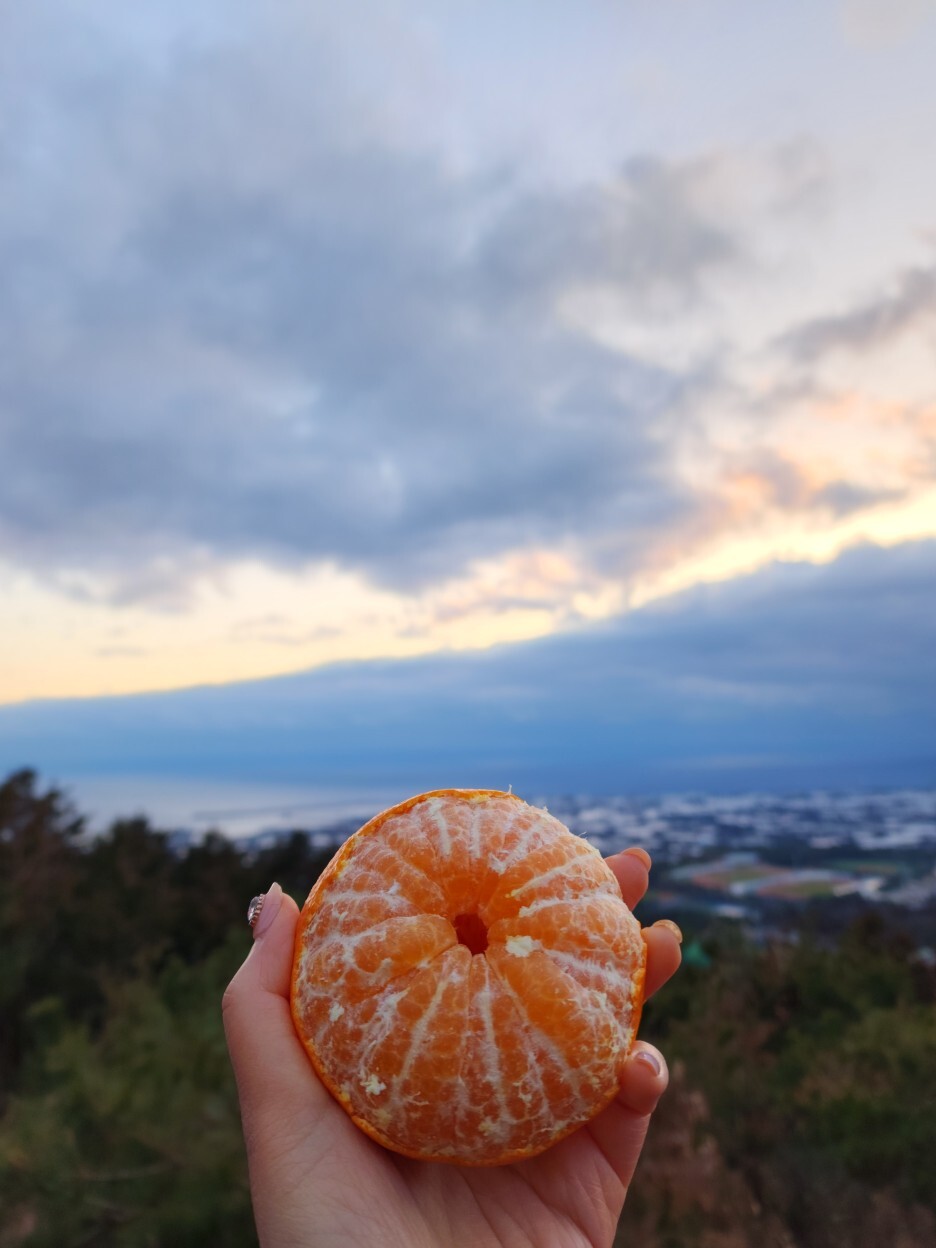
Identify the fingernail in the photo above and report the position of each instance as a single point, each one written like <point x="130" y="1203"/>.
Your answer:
<point x="272" y="899"/>
<point x="648" y="1058"/>
<point x="636" y="852"/>
<point x="670" y="927"/>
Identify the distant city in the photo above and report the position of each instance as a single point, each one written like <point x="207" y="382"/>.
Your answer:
<point x="748" y="856"/>
<point x="753" y="857"/>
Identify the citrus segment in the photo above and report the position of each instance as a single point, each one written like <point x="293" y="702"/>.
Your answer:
<point x="467" y="979"/>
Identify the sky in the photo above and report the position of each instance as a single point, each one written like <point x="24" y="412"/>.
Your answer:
<point x="408" y="330"/>
<point x="793" y="678"/>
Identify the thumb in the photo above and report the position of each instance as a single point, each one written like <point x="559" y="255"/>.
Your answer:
<point x="270" y="1064"/>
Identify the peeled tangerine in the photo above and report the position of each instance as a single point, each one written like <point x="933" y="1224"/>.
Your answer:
<point x="467" y="979"/>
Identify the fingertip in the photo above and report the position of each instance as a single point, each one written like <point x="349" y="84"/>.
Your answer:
<point x="276" y="946"/>
<point x="266" y="907"/>
<point x="644" y="1079"/>
<point x="268" y="965"/>
<point x="632" y="874"/>
<point x="621" y="1128"/>
<point x="671" y="927"/>
<point x="638" y="852"/>
<point x="664" y="956"/>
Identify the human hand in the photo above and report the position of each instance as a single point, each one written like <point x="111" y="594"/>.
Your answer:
<point x="316" y="1179"/>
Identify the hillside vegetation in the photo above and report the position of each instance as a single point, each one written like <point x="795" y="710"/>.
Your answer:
<point x="802" y="1109"/>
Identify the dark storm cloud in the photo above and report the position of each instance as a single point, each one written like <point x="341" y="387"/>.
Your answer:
<point x="828" y="671"/>
<point x="642" y="231"/>
<point x="236" y="322"/>
<point x="910" y="304"/>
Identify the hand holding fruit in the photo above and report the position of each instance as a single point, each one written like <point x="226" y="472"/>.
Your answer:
<point x="316" y="1178"/>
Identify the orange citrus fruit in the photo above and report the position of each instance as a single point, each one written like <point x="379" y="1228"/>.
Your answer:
<point x="467" y="979"/>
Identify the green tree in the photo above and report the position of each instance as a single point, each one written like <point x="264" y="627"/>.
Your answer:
<point x="130" y="1137"/>
<point x="40" y="879"/>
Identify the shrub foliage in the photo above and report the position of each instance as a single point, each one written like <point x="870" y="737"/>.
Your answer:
<point x="804" y="1089"/>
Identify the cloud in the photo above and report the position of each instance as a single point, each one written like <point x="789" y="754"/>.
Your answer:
<point x="243" y="321"/>
<point x="882" y="23"/>
<point x="256" y="315"/>
<point x="800" y="674"/>
<point x="646" y="231"/>
<point x="847" y="634"/>
<point x="909" y="305"/>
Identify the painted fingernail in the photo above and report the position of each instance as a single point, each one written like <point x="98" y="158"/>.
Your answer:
<point x="648" y="1058"/>
<point x="636" y="852"/>
<point x="263" y="910"/>
<point x="670" y="927"/>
